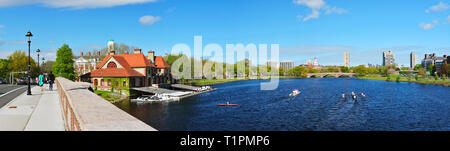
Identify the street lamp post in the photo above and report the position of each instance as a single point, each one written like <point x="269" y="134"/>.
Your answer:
<point x="39" y="69"/>
<point x="29" y="35"/>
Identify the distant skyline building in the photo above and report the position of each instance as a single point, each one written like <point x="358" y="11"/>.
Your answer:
<point x="433" y="59"/>
<point x="413" y="59"/>
<point x="346" y="59"/>
<point x="388" y="58"/>
<point x="288" y="64"/>
<point x="273" y="64"/>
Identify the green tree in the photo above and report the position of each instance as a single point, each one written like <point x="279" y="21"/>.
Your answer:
<point x="361" y="69"/>
<point x="417" y="67"/>
<point x="18" y="61"/>
<point x="430" y="68"/>
<point x="444" y="70"/>
<point x="4" y="68"/>
<point x="64" y="63"/>
<point x="345" y="69"/>
<point x="404" y="68"/>
<point x="312" y="70"/>
<point x="372" y="70"/>
<point x="282" y="71"/>
<point x="299" y="71"/>
<point x="422" y="72"/>
<point x="47" y="66"/>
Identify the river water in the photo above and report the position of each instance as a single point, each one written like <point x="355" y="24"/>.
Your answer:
<point x="388" y="106"/>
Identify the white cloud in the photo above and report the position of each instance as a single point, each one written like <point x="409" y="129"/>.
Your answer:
<point x="313" y="4"/>
<point x="2" y="26"/>
<point x="314" y="14"/>
<point x="438" y="8"/>
<point x="149" y="20"/>
<point x="428" y="26"/>
<point x="75" y="4"/>
<point x="316" y="7"/>
<point x="335" y="10"/>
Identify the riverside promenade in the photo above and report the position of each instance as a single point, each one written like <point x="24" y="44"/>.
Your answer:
<point x="40" y="111"/>
<point x="69" y="107"/>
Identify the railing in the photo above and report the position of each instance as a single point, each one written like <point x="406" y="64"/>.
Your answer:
<point x="85" y="111"/>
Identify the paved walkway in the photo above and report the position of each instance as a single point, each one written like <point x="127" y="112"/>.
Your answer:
<point x="38" y="112"/>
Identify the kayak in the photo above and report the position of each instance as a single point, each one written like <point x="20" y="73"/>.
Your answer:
<point x="227" y="104"/>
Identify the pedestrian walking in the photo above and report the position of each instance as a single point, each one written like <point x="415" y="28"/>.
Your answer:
<point x="41" y="81"/>
<point x="51" y="79"/>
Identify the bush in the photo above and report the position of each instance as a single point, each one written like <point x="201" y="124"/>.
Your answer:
<point x="417" y="77"/>
<point x="444" y="77"/>
<point x="436" y="77"/>
<point x="397" y="79"/>
<point x="388" y="78"/>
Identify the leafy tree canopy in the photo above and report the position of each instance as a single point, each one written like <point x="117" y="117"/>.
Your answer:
<point x="64" y="63"/>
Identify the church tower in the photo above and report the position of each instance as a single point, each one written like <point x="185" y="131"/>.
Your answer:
<point x="111" y="48"/>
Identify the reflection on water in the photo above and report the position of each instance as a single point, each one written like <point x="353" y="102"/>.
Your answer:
<point x="388" y="106"/>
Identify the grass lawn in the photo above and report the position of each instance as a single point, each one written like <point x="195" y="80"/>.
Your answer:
<point x="106" y="95"/>
<point x="214" y="81"/>
<point x="405" y="79"/>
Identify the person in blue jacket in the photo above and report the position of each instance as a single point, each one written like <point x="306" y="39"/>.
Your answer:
<point x="41" y="80"/>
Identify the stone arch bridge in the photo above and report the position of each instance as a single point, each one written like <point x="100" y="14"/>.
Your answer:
<point x="337" y="75"/>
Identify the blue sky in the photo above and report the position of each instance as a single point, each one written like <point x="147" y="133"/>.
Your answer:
<point x="303" y="28"/>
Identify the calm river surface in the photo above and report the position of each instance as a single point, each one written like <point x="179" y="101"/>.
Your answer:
<point x="388" y="106"/>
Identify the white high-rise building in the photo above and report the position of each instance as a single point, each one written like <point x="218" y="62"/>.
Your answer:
<point x="346" y="59"/>
<point x="288" y="64"/>
<point x="413" y="60"/>
<point x="388" y="58"/>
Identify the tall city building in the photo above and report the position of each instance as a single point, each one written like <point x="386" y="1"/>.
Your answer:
<point x="288" y="64"/>
<point x="346" y="59"/>
<point x="388" y="58"/>
<point x="413" y="60"/>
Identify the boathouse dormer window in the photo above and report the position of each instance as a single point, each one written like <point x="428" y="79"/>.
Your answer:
<point x="112" y="65"/>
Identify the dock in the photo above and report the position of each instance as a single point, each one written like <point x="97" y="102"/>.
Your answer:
<point x="191" y="90"/>
<point x="186" y="87"/>
<point x="154" y="90"/>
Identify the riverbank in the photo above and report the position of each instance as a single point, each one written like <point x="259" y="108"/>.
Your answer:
<point x="110" y="96"/>
<point x="411" y="80"/>
<point x="203" y="82"/>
